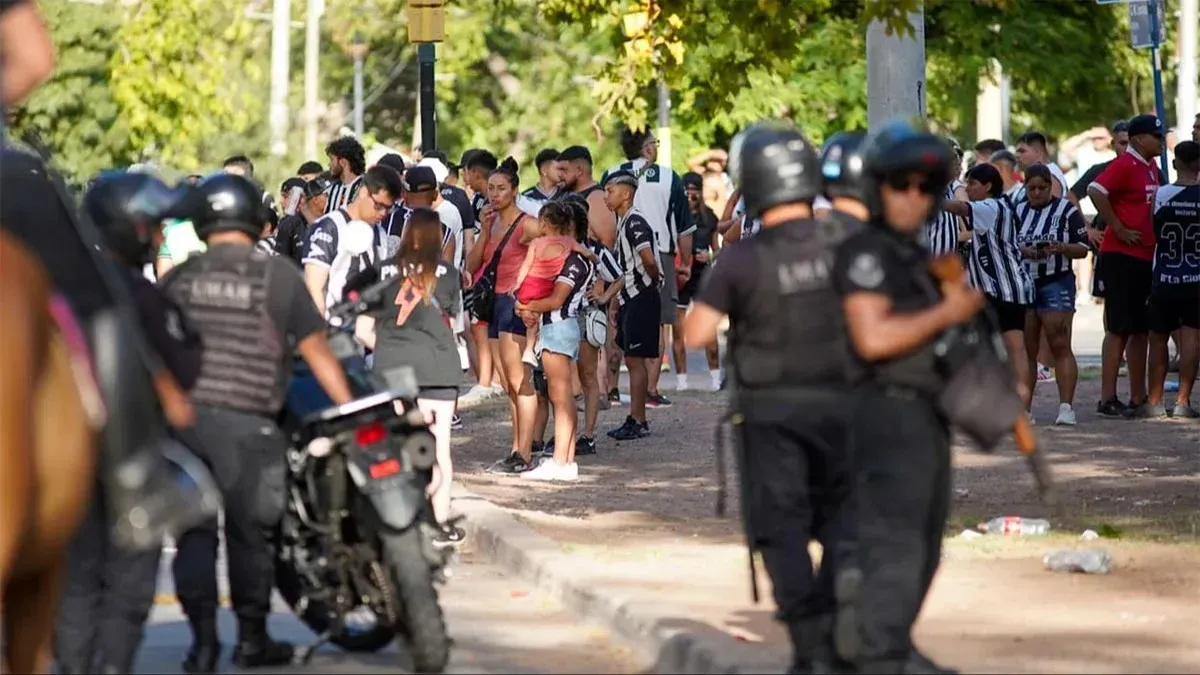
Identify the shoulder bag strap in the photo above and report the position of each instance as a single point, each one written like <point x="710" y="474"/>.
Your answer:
<point x="495" y="261"/>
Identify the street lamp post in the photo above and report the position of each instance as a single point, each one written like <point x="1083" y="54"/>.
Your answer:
<point x="426" y="27"/>
<point x="358" y="50"/>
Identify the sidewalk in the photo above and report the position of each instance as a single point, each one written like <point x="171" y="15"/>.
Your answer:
<point x="633" y="546"/>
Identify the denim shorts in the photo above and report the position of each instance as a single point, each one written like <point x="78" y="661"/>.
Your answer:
<point x="504" y="318"/>
<point x="1057" y="295"/>
<point x="560" y="337"/>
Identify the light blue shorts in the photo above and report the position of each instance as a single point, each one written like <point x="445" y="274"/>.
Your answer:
<point x="560" y="337"/>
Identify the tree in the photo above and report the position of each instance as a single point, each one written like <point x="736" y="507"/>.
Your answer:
<point x="74" y="113"/>
<point x="185" y="71"/>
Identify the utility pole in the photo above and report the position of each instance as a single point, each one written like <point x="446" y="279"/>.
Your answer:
<point x="358" y="50"/>
<point x="312" y="53"/>
<point x="1187" y="102"/>
<point x="896" y="72"/>
<point x="426" y="27"/>
<point x="281" y="28"/>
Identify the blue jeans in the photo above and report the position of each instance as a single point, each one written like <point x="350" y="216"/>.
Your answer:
<point x="1055" y="296"/>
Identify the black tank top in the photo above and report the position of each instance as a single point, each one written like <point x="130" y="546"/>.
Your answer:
<point x="589" y="190"/>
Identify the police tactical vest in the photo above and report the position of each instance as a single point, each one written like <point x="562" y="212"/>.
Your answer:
<point x="224" y="295"/>
<point x="792" y="334"/>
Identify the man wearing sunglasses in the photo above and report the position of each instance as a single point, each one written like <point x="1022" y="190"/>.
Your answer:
<point x="327" y="265"/>
<point x="1124" y="196"/>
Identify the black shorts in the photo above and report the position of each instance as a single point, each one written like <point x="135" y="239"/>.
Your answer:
<point x="1010" y="315"/>
<point x="692" y="286"/>
<point x="638" y="325"/>
<point x="1172" y="307"/>
<point x="1126" y="284"/>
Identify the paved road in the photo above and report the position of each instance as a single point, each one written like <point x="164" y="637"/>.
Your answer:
<point x="498" y="624"/>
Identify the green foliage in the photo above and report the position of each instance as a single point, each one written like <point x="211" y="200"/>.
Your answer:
<point x="74" y="113"/>
<point x="182" y="73"/>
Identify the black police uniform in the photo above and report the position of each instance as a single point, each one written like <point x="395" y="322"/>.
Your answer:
<point x="108" y="590"/>
<point x="901" y="450"/>
<point x="251" y="309"/>
<point x="789" y="361"/>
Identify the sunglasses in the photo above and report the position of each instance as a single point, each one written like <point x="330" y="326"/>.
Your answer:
<point x="903" y="182"/>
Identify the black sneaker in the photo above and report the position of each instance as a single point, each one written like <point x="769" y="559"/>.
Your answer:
<point x="658" y="401"/>
<point x="541" y="449"/>
<point x="456" y="423"/>
<point x="585" y="445"/>
<point x="449" y="535"/>
<point x="629" y="422"/>
<point x="510" y="466"/>
<point x="632" y="431"/>
<point x="1113" y="408"/>
<point x="614" y="396"/>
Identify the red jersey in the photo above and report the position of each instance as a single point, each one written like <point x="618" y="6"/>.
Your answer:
<point x="1130" y="183"/>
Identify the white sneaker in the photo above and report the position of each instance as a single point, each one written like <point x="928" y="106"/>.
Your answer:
<point x="1066" y="415"/>
<point x="716" y="381"/>
<point x="476" y="394"/>
<point x="681" y="382"/>
<point x="497" y="389"/>
<point x="550" y="470"/>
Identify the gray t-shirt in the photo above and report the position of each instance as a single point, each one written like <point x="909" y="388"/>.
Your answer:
<point x="412" y="331"/>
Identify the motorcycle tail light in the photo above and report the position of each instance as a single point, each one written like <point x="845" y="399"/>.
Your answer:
<point x="370" y="434"/>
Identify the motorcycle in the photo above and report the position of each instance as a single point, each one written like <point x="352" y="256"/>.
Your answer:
<point x="356" y="559"/>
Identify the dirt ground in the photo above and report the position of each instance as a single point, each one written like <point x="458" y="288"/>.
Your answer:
<point x="641" y="518"/>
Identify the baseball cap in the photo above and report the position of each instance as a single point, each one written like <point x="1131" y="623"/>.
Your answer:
<point x="692" y="179"/>
<point x="1145" y="125"/>
<point x="622" y="177"/>
<point x="440" y="172"/>
<point x="292" y="182"/>
<point x="421" y="178"/>
<point x="319" y="184"/>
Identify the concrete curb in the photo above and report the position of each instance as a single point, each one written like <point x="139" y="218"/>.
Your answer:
<point x="541" y="561"/>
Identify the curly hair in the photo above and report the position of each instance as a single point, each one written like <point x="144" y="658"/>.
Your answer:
<point x="349" y="149"/>
<point x="632" y="142"/>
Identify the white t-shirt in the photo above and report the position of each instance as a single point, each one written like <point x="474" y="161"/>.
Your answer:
<point x="452" y="229"/>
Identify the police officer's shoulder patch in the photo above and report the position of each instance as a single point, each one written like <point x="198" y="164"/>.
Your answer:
<point x="866" y="270"/>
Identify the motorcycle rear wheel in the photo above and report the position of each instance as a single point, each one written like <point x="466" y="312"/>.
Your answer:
<point x="422" y="624"/>
<point x="317" y="616"/>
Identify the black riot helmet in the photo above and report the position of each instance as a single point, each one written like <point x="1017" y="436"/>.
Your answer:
<point x="898" y="149"/>
<point x="128" y="208"/>
<point x="842" y="167"/>
<point x="226" y="202"/>
<point x="772" y="163"/>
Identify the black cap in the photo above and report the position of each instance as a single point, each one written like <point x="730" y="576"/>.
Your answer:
<point x="319" y="184"/>
<point x="774" y="164"/>
<point x="621" y="177"/>
<point x="293" y="182"/>
<point x="1146" y="125"/>
<point x="419" y="179"/>
<point x="692" y="179"/>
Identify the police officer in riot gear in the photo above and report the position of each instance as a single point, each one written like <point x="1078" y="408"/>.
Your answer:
<point x="109" y="590"/>
<point x="790" y="364"/>
<point x="252" y="310"/>
<point x="895" y="312"/>
<point x="846" y="184"/>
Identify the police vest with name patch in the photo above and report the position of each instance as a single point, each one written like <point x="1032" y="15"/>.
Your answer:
<point x="224" y="294"/>
<point x="792" y="335"/>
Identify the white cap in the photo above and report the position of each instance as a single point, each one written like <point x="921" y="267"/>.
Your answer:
<point x="439" y="170"/>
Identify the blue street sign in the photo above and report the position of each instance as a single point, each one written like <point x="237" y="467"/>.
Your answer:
<point x="1142" y="33"/>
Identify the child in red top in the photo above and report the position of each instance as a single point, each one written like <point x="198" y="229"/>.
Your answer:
<point x="545" y="259"/>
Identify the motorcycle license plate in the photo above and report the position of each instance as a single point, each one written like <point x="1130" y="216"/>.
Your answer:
<point x="388" y="467"/>
<point x="373" y="467"/>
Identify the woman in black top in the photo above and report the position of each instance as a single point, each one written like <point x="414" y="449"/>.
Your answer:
<point x="413" y="329"/>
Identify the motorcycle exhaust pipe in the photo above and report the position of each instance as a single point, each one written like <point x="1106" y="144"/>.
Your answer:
<point x="421" y="449"/>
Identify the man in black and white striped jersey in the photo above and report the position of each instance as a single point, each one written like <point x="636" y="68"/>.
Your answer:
<point x="996" y="266"/>
<point x="662" y="201"/>
<point x="1052" y="234"/>
<point x="639" y="297"/>
<point x="347" y="164"/>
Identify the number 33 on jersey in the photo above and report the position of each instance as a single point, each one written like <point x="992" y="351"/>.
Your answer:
<point x="1177" y="231"/>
